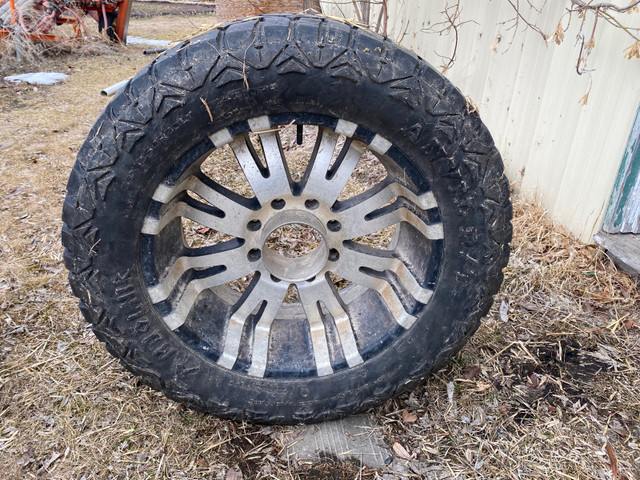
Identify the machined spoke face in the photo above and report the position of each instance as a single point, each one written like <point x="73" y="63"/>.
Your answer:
<point x="352" y="271"/>
<point x="226" y="259"/>
<point x="194" y="288"/>
<point x="369" y="215"/>
<point x="265" y="182"/>
<point x="356" y="259"/>
<point x="314" y="293"/>
<point x="270" y="295"/>
<point x="187" y="207"/>
<point x="324" y="183"/>
<point x="307" y="234"/>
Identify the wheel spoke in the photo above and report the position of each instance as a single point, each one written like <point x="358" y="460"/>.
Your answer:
<point x="278" y="172"/>
<point x="223" y="199"/>
<point x="264" y="182"/>
<point x="317" y="184"/>
<point x="235" y="270"/>
<point x="356" y="224"/>
<point x="383" y="287"/>
<point x="264" y="290"/>
<point x="318" y="332"/>
<point x="357" y="256"/>
<point x="186" y="207"/>
<point x="322" y="291"/>
<point x="201" y="259"/>
<point x="262" y="333"/>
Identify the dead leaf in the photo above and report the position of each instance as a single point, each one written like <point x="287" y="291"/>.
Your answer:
<point x="234" y="473"/>
<point x="399" y="450"/>
<point x="472" y="372"/>
<point x="591" y="44"/>
<point x="531" y="307"/>
<point x="630" y="323"/>
<point x="54" y="456"/>
<point x="203" y="230"/>
<point x="558" y="34"/>
<point x="52" y="270"/>
<point x="15" y="191"/>
<point x="504" y="311"/>
<point x="202" y="463"/>
<point x="584" y="100"/>
<point x="409" y="417"/>
<point x="533" y="381"/>
<point x="612" y="460"/>
<point x="482" y="387"/>
<point x="496" y="42"/>
<point x="632" y="51"/>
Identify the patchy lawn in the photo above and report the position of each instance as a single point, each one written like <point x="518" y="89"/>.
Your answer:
<point x="549" y="387"/>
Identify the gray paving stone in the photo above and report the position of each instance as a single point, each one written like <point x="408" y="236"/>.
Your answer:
<point x="353" y="438"/>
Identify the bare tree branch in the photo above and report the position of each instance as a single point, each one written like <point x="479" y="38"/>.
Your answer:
<point x="580" y="5"/>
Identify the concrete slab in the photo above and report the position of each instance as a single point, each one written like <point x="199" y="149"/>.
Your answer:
<point x="353" y="438"/>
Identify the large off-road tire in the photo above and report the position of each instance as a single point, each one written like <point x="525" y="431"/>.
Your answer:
<point x="179" y="193"/>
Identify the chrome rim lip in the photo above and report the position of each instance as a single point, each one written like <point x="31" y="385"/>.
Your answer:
<point x="320" y="303"/>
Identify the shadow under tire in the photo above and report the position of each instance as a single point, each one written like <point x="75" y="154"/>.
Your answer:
<point x="175" y="266"/>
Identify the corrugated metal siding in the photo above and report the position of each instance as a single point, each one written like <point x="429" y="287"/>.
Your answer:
<point x="556" y="150"/>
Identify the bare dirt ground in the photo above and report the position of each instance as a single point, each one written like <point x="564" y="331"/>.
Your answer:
<point x="549" y="387"/>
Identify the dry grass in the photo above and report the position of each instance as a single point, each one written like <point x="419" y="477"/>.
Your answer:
<point x="548" y="387"/>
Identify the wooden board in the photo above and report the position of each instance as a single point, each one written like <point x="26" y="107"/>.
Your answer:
<point x="623" y="214"/>
<point x="624" y="248"/>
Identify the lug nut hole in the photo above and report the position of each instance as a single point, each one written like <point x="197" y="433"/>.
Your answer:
<point x="254" y="255"/>
<point x="334" y="255"/>
<point x="311" y="204"/>
<point x="254" y="225"/>
<point x="278" y="203"/>
<point x="334" y="225"/>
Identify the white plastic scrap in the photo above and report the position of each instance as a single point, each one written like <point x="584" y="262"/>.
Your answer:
<point x="37" y="78"/>
<point x="147" y="41"/>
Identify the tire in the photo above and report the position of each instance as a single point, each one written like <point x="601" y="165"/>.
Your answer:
<point x="160" y="241"/>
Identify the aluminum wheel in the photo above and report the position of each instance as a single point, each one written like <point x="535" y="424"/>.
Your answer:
<point x="325" y="328"/>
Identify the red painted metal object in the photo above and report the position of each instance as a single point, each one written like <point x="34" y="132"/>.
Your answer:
<point x="37" y="19"/>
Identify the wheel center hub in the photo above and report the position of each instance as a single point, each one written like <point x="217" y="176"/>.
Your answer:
<point x="304" y="265"/>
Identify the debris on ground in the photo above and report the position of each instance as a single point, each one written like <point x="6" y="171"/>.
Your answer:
<point x="147" y="41"/>
<point x="37" y="78"/>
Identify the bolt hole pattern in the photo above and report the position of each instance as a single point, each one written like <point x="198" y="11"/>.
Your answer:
<point x="334" y="225"/>
<point x="311" y="204"/>
<point x="254" y="225"/>
<point x="278" y="204"/>
<point x="254" y="255"/>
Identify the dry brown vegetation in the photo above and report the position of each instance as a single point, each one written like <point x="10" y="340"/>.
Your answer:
<point x="549" y="387"/>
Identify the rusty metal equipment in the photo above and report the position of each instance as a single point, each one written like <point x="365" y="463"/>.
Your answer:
<point x="37" y="19"/>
